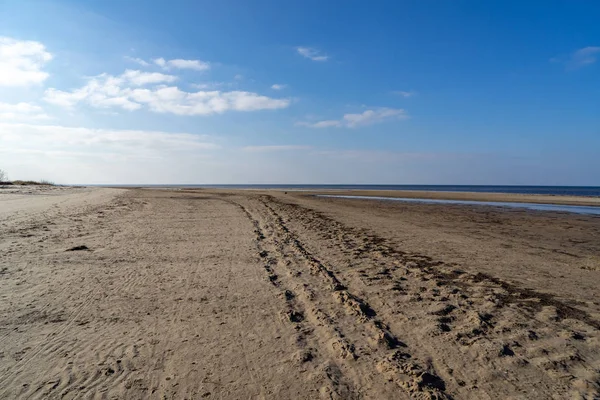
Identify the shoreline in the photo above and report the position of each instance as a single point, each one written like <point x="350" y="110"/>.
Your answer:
<point x="469" y="196"/>
<point x="417" y="194"/>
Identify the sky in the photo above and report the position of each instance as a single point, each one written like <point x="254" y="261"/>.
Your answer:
<point x="314" y="92"/>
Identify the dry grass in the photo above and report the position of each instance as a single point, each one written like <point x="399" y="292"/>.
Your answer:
<point x="5" y="181"/>
<point x="42" y="182"/>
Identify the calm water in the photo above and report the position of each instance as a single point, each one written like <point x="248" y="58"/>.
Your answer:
<point x="549" y="190"/>
<point x="528" y="206"/>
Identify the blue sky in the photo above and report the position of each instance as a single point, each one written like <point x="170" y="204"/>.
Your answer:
<point x="432" y="92"/>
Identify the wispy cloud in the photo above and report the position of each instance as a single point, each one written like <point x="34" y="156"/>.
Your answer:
<point x="172" y="64"/>
<point x="196" y="65"/>
<point x="322" y="124"/>
<point x="107" y="91"/>
<point x="367" y="117"/>
<point x="139" y="78"/>
<point x="22" y="111"/>
<point x="128" y="142"/>
<point x="259" y="149"/>
<point x="579" y="58"/>
<point x="585" y="56"/>
<point x="138" y="61"/>
<point x="124" y="91"/>
<point x="21" y="62"/>
<point x="376" y="156"/>
<point x="211" y="85"/>
<point x="278" y="86"/>
<point x="373" y="116"/>
<point x="312" y="53"/>
<point x="405" y="94"/>
<point x="87" y="155"/>
<point x="175" y="101"/>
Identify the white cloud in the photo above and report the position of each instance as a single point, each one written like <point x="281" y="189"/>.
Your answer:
<point x="322" y="124"/>
<point x="173" y="100"/>
<point x="212" y="85"/>
<point x="405" y="94"/>
<point x="107" y="91"/>
<point x="140" y="78"/>
<point x="143" y="63"/>
<point x="259" y="149"/>
<point x="85" y="155"/>
<point x="182" y="64"/>
<point x="23" y="108"/>
<point x="190" y="64"/>
<point x="367" y="117"/>
<point x="312" y="53"/>
<point x="21" y="62"/>
<point x="42" y="138"/>
<point x="278" y="86"/>
<point x="20" y="111"/>
<point x="161" y="62"/>
<point x="373" y="116"/>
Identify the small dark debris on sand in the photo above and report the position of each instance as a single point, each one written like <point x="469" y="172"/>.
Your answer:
<point x="78" y="248"/>
<point x="506" y="351"/>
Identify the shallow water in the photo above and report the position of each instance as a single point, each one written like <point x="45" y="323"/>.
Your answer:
<point x="547" y="190"/>
<point x="589" y="210"/>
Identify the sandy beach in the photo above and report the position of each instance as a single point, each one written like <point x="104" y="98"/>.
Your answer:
<point x="187" y="294"/>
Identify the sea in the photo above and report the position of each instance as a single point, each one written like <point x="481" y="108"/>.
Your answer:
<point x="587" y="191"/>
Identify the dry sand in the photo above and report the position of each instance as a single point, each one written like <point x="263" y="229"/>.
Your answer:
<point x="221" y="294"/>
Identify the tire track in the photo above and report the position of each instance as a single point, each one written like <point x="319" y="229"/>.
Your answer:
<point x="316" y="338"/>
<point x="380" y="352"/>
<point x="462" y="309"/>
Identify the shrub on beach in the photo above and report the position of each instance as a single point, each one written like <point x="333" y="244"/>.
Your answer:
<point x="42" y="182"/>
<point x="4" y="181"/>
<point x="4" y="178"/>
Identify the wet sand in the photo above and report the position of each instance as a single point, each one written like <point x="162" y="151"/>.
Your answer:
<point x="130" y="294"/>
<point x="472" y="196"/>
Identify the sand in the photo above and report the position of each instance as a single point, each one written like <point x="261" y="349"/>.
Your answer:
<point x="187" y="294"/>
